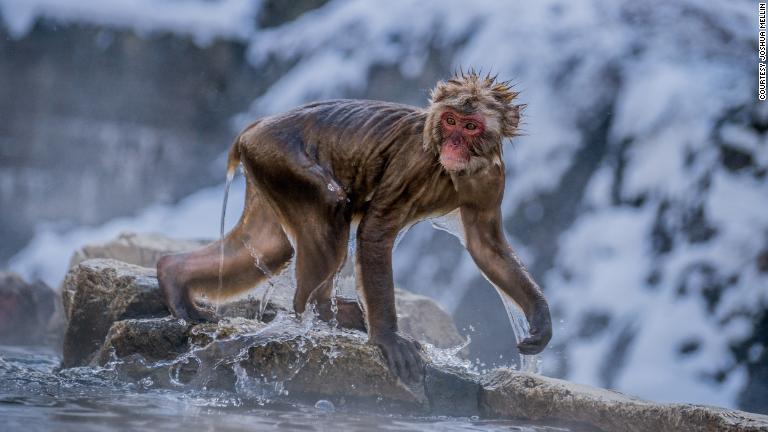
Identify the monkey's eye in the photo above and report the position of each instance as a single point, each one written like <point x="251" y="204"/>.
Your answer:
<point x="470" y="126"/>
<point x="451" y="121"/>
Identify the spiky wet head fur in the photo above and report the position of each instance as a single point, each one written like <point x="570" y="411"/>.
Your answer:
<point x="472" y="94"/>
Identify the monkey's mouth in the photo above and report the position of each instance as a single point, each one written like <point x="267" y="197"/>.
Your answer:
<point x="453" y="156"/>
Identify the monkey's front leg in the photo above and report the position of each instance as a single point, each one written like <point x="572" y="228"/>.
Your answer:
<point x="374" y="258"/>
<point x="488" y="247"/>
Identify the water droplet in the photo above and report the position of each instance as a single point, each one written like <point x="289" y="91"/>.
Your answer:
<point x="325" y="406"/>
<point x="146" y="383"/>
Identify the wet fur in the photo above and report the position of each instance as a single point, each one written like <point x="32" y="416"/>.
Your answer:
<point x="314" y="169"/>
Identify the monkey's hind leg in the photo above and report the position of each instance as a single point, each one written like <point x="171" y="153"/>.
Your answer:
<point x="317" y="217"/>
<point x="321" y="248"/>
<point x="258" y="235"/>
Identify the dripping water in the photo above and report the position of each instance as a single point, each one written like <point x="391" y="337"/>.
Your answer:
<point x="451" y="223"/>
<point x="269" y="278"/>
<point x="230" y="177"/>
<point x="521" y="329"/>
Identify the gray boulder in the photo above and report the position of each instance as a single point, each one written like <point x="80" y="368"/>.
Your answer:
<point x="98" y="292"/>
<point x="139" y="249"/>
<point x="28" y="312"/>
<point x="425" y="320"/>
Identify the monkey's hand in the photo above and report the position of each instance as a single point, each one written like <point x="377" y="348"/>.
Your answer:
<point x="402" y="354"/>
<point x="540" y="329"/>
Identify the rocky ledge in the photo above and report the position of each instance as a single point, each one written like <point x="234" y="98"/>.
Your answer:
<point x="116" y="320"/>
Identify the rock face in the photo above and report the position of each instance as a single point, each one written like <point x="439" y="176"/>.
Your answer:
<point x="27" y="311"/>
<point x="99" y="292"/>
<point x="136" y="146"/>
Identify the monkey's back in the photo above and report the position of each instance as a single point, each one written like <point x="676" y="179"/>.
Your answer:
<point x="360" y="142"/>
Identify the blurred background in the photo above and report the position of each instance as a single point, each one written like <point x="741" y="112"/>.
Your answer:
<point x="638" y="196"/>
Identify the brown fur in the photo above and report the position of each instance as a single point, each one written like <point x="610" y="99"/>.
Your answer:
<point x="312" y="170"/>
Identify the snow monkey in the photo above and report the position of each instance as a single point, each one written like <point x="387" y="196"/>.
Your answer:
<point x="313" y="171"/>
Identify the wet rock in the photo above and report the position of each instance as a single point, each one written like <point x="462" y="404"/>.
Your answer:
<point x="306" y="360"/>
<point x="139" y="249"/>
<point x="293" y="360"/>
<point x="423" y="319"/>
<point x="512" y="394"/>
<point x="98" y="292"/>
<point x="451" y="391"/>
<point x="154" y="339"/>
<point x="418" y="316"/>
<point x="27" y="312"/>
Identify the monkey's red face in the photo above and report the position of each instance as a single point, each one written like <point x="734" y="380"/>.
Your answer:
<point x="459" y="133"/>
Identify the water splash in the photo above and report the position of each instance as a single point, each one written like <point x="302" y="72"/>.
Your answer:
<point x="269" y="279"/>
<point x="450" y="356"/>
<point x="451" y="223"/>
<point x="521" y="329"/>
<point x="37" y="396"/>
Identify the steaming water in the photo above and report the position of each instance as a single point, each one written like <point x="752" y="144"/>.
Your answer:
<point x="34" y="397"/>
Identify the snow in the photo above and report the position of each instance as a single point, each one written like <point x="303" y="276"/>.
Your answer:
<point x="203" y="20"/>
<point x="47" y="256"/>
<point x="669" y="75"/>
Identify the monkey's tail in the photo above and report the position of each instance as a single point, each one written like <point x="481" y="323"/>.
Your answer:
<point x="233" y="159"/>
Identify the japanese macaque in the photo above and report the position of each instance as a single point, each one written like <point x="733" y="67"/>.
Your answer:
<point x="313" y="170"/>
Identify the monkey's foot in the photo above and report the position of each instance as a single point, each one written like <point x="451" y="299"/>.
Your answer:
<point x="175" y="297"/>
<point x="402" y="354"/>
<point x="189" y="311"/>
<point x="349" y="314"/>
<point x="201" y="315"/>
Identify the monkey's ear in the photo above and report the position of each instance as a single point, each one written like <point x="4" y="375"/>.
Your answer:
<point x="512" y="120"/>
